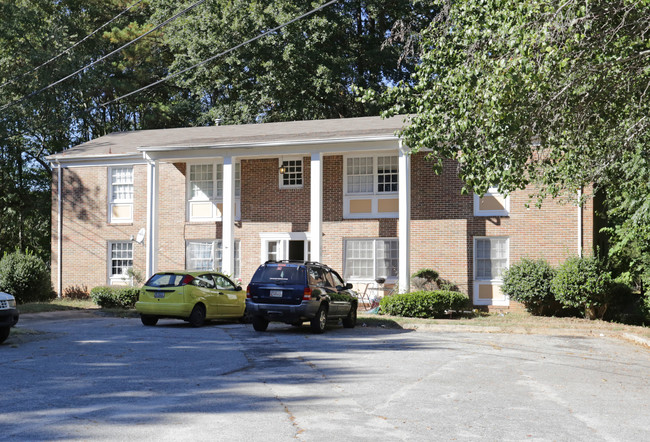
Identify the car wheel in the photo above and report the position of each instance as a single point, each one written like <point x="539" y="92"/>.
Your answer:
<point x="149" y="320"/>
<point x="4" y="333"/>
<point x="351" y="319"/>
<point x="197" y="317"/>
<point x="319" y="321"/>
<point x="260" y="323"/>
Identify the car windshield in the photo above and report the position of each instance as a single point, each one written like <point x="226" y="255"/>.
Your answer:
<point x="280" y="274"/>
<point x="165" y="280"/>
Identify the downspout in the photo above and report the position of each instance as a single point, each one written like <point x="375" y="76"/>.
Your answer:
<point x="59" y="218"/>
<point x="580" y="222"/>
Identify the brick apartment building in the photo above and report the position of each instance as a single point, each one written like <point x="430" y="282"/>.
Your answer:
<point x="344" y="192"/>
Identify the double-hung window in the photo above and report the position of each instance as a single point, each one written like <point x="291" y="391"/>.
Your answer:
<point x="371" y="187"/>
<point x="491" y="258"/>
<point x="369" y="259"/>
<point x="208" y="255"/>
<point x="121" y="195"/>
<point x="205" y="191"/>
<point x="120" y="261"/>
<point x="291" y="176"/>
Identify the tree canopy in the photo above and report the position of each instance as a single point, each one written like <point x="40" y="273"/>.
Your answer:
<point x="307" y="70"/>
<point x="553" y="93"/>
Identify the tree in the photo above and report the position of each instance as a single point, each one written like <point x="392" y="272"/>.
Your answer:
<point x="304" y="71"/>
<point x="554" y="93"/>
<point x="69" y="113"/>
<point x="497" y="75"/>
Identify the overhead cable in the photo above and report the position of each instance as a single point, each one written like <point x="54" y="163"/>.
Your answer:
<point x="15" y="77"/>
<point x="51" y="85"/>
<point x="227" y="51"/>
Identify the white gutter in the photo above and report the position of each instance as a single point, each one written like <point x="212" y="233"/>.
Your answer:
<point x="580" y="222"/>
<point x="267" y="144"/>
<point x="59" y="246"/>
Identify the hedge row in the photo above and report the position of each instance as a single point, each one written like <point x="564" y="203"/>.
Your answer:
<point x="424" y="304"/>
<point x="115" y="297"/>
<point x="580" y="286"/>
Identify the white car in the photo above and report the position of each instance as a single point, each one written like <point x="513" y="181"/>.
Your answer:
<point x="8" y="315"/>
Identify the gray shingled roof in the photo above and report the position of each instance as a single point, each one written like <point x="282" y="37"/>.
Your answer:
<point x="235" y="135"/>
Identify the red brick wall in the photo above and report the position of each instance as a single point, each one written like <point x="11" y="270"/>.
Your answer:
<point x="86" y="231"/>
<point x="442" y="227"/>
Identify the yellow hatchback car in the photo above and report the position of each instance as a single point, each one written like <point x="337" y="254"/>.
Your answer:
<point x="191" y="296"/>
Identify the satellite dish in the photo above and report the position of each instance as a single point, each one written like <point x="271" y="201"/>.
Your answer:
<point x="140" y="238"/>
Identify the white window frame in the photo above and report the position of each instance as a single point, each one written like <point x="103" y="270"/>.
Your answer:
<point x="494" y="280"/>
<point x="114" y="201"/>
<point x="281" y="176"/>
<point x="375" y="195"/>
<point x="217" y="191"/>
<point x="216" y="256"/>
<point x="123" y="278"/>
<point x="283" y="239"/>
<point x="492" y="191"/>
<point x="389" y="279"/>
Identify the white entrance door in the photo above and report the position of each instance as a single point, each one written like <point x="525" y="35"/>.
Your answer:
<point x="291" y="246"/>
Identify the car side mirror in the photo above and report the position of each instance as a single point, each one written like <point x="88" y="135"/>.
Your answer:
<point x="238" y="288"/>
<point x="348" y="285"/>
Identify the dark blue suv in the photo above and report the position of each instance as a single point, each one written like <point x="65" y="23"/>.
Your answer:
<point x="295" y="292"/>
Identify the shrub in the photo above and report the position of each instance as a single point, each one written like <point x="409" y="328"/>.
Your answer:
<point x="115" y="297"/>
<point x="529" y="282"/>
<point x="423" y="304"/>
<point x="25" y="276"/>
<point x="76" y="292"/>
<point x="625" y="305"/>
<point x="430" y="280"/>
<point x="583" y="283"/>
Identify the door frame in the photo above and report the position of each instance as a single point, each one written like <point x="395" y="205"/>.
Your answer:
<point x="283" y="239"/>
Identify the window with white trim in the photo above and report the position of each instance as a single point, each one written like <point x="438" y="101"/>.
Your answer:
<point x="292" y="176"/>
<point x="372" y="175"/>
<point x="493" y="203"/>
<point x="120" y="261"/>
<point x="387" y="174"/>
<point x="205" y="191"/>
<point x="360" y="175"/>
<point x="369" y="259"/>
<point x="491" y="256"/>
<point x="121" y="194"/>
<point x="208" y="255"/>
<point x="371" y="186"/>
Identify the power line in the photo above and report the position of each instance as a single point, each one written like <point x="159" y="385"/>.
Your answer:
<point x="15" y="77"/>
<point x="20" y="100"/>
<point x="227" y="51"/>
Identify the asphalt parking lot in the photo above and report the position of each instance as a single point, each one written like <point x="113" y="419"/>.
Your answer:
<point x="84" y="376"/>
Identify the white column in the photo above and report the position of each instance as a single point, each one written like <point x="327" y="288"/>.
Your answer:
<point x="580" y="222"/>
<point x="404" y="228"/>
<point x="316" y="198"/>
<point x="228" y="217"/>
<point x="152" y="218"/>
<point x="59" y="216"/>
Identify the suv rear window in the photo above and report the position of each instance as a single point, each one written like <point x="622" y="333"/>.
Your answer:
<point x="280" y="274"/>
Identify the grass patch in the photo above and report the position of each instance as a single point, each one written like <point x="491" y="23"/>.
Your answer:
<point x="67" y="304"/>
<point x="59" y="304"/>
<point x="513" y="322"/>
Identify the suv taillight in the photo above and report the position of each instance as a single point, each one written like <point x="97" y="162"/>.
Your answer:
<point x="306" y="294"/>
<point x="248" y="292"/>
